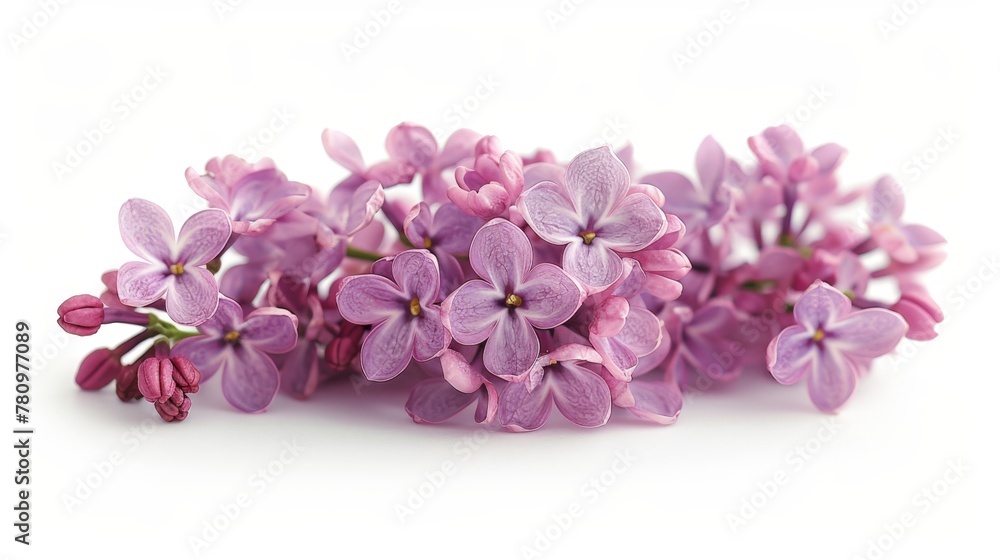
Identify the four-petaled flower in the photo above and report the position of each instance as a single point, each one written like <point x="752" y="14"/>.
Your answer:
<point x="510" y="302"/>
<point x="239" y="348"/>
<point x="595" y="215"/>
<point x="831" y="345"/>
<point x="406" y="321"/>
<point x="175" y="268"/>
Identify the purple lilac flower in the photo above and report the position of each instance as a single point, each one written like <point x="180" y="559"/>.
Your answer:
<point x="492" y="185"/>
<point x="594" y="215"/>
<point x="253" y="196"/>
<point x="175" y="268"/>
<point x="511" y="300"/>
<point x="406" y="320"/>
<point x="650" y="396"/>
<point x="239" y="348"/>
<point x="832" y="345"/>
<point x="565" y="377"/>
<point x="446" y="232"/>
<point x="699" y="207"/>
<point x="454" y="386"/>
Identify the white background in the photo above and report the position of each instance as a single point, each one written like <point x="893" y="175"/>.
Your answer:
<point x="887" y="98"/>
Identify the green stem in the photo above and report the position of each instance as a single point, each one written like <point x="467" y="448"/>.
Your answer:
<point x="356" y="253"/>
<point x="168" y="329"/>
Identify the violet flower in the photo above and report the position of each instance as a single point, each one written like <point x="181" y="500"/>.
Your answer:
<point x="489" y="188"/>
<point x="446" y="232"/>
<point x="594" y="215"/>
<point x="510" y="302"/>
<point x="563" y="377"/>
<point x="253" y="196"/>
<point x="832" y="345"/>
<point x="406" y="320"/>
<point x="238" y="347"/>
<point x="699" y="207"/>
<point x="653" y="394"/>
<point x="175" y="268"/>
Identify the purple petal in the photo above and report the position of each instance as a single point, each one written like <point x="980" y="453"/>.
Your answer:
<point x="550" y="297"/>
<point x="682" y="198"/>
<point x="596" y="180"/>
<point x="776" y="148"/>
<point x="472" y="312"/>
<point x="243" y="281"/>
<point x="619" y="360"/>
<point x="921" y="236"/>
<point x="249" y="379"/>
<point x="452" y="273"/>
<point x="412" y="144"/>
<point x="790" y="354"/>
<point x="521" y="410"/>
<point x="867" y="334"/>
<point x="710" y="162"/>
<point x="594" y="265"/>
<point x="829" y="157"/>
<point x="512" y="347"/>
<point x="205" y="352"/>
<point x="342" y="149"/>
<point x="368" y="298"/>
<point x="365" y="203"/>
<point x="416" y="272"/>
<point x="203" y="236"/>
<point x="300" y="370"/>
<point x="537" y="172"/>
<point x="656" y="401"/>
<point x="228" y="317"/>
<point x="453" y="229"/>
<point x="459" y="373"/>
<point x="609" y="317"/>
<point x="633" y="224"/>
<point x="460" y="145"/>
<point x="146" y="230"/>
<point x="581" y="395"/>
<point x="888" y="201"/>
<point x="832" y="380"/>
<point x="388" y="348"/>
<point x="417" y="224"/>
<point x="431" y="338"/>
<point x="266" y="194"/>
<point x="142" y="283"/>
<point x="486" y="408"/>
<point x="433" y="401"/>
<point x="501" y="253"/>
<point x="642" y="331"/>
<point x="192" y="297"/>
<point x="549" y="211"/>
<point x="270" y="329"/>
<point x="821" y="305"/>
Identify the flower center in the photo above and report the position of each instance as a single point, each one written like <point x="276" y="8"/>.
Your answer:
<point x="231" y="337"/>
<point x="427" y="243"/>
<point x="414" y="307"/>
<point x="588" y="236"/>
<point x="513" y="300"/>
<point x="177" y="269"/>
<point x="819" y="335"/>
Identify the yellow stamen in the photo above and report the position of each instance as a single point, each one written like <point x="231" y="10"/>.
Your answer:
<point x="177" y="269"/>
<point x="587" y="236"/>
<point x="819" y="335"/>
<point x="552" y="362"/>
<point x="414" y="307"/>
<point x="232" y="336"/>
<point x="427" y="243"/>
<point x="514" y="300"/>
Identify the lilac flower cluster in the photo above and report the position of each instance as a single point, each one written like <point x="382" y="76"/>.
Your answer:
<point x="514" y="282"/>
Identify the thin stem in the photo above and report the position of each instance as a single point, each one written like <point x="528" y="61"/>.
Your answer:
<point x="356" y="253"/>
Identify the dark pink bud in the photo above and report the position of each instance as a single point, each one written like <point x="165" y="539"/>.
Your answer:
<point x="175" y="408"/>
<point x="127" y="383"/>
<point x="345" y="347"/>
<point x="156" y="379"/>
<point x="186" y="376"/>
<point x="99" y="368"/>
<point x="81" y="315"/>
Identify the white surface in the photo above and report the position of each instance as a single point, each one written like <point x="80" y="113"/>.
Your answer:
<point x="559" y="88"/>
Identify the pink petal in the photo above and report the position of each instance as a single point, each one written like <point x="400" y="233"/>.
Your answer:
<point x="520" y="410"/>
<point x="633" y="224"/>
<point x="888" y="201"/>
<point x="472" y="311"/>
<point x="430" y="338"/>
<point x="681" y="196"/>
<point x="203" y="236"/>
<point x="388" y="348"/>
<point x="249" y="379"/>
<point x="266" y="193"/>
<point x="548" y="210"/>
<point x="489" y="202"/>
<point x="512" y="347"/>
<point x="776" y="148"/>
<point x="411" y="143"/>
<point x="300" y="371"/>
<point x="459" y="373"/>
<point x="832" y="380"/>
<point x="342" y="149"/>
<point x="146" y="230"/>
<point x="365" y="203"/>
<point x="368" y="298"/>
<point x="537" y="172"/>
<point x="867" y="334"/>
<point x="207" y="188"/>
<point x="501" y="253"/>
<point x="460" y="145"/>
<point x="656" y="401"/>
<point x="641" y="332"/>
<point x="829" y="157"/>
<point x="790" y="354"/>
<point x="416" y="272"/>
<point x="417" y="224"/>
<point x="512" y="174"/>
<point x="922" y="236"/>
<point x="609" y="317"/>
<point x="710" y="161"/>
<point x="270" y="329"/>
<point x="821" y="305"/>
<point x="433" y="401"/>
<point x="453" y="229"/>
<point x="594" y="265"/>
<point x="192" y="297"/>
<point x="596" y="180"/>
<point x="619" y="360"/>
<point x="489" y="402"/>
<point x="141" y="283"/>
<point x="550" y="297"/>
<point x="581" y="395"/>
